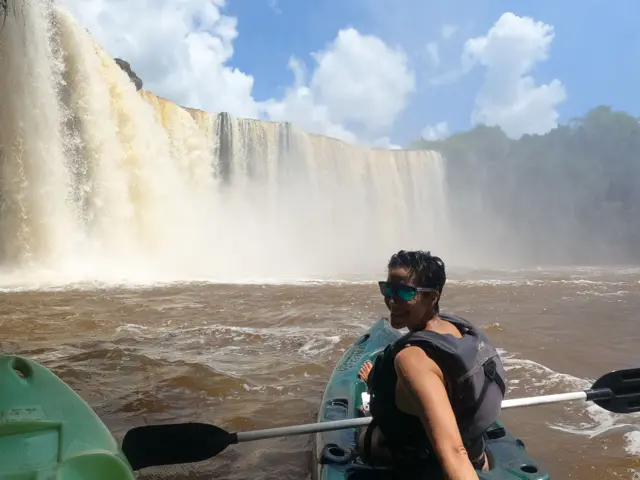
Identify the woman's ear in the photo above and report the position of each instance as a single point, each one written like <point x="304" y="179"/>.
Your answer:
<point x="435" y="299"/>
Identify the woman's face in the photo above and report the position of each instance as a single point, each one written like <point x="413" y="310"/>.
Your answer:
<point x="405" y="312"/>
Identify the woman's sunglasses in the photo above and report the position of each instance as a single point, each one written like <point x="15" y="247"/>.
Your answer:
<point x="401" y="291"/>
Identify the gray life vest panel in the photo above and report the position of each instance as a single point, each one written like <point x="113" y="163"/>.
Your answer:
<point x="475" y="381"/>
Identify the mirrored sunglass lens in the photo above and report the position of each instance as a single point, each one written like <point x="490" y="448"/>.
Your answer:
<point x="406" y="293"/>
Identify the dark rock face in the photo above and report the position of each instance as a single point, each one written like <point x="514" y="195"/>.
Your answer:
<point x="124" y="65"/>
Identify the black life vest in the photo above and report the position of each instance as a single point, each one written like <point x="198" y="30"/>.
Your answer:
<point x="475" y="381"/>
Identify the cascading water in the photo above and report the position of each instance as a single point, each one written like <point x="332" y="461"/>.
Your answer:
<point x="37" y="214"/>
<point x="100" y="182"/>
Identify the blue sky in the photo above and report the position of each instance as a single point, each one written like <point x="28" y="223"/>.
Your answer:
<point x="592" y="52"/>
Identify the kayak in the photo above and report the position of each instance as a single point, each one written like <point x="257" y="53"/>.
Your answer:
<point x="335" y="452"/>
<point x="47" y="431"/>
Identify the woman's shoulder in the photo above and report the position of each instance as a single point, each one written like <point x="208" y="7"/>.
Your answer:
<point x="413" y="360"/>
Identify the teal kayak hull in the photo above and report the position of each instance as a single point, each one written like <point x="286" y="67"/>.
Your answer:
<point x="48" y="432"/>
<point x="334" y="453"/>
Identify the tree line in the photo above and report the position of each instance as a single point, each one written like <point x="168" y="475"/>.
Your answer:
<point x="570" y="196"/>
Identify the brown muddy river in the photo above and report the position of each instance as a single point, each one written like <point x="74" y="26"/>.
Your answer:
<point x="258" y="356"/>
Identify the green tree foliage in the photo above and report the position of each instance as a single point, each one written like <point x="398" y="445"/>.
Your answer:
<point x="571" y="195"/>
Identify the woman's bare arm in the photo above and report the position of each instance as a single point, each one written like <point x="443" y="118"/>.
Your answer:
<point x="421" y="392"/>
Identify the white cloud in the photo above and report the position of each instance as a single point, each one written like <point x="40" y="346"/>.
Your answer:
<point x="273" y="5"/>
<point x="434" y="53"/>
<point x="510" y="97"/>
<point x="362" y="80"/>
<point x="300" y="106"/>
<point x="435" y="132"/>
<point x="181" y="51"/>
<point x="448" y="31"/>
<point x="385" y="143"/>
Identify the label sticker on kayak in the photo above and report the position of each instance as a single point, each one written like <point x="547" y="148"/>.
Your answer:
<point x="352" y="359"/>
<point x="24" y="414"/>
<point x="365" y="401"/>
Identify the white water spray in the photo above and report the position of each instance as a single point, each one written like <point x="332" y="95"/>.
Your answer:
<point x="100" y="182"/>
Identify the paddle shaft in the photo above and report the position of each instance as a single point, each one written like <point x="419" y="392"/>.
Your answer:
<point x="599" y="394"/>
<point x="302" y="429"/>
<point x="149" y="445"/>
<point x="544" y="399"/>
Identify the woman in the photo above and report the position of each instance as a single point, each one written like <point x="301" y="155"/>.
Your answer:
<point x="435" y="391"/>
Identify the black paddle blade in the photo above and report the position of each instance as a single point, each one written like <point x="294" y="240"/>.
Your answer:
<point x="625" y="387"/>
<point x="151" y="445"/>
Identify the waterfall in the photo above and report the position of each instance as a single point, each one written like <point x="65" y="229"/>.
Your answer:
<point x="101" y="182"/>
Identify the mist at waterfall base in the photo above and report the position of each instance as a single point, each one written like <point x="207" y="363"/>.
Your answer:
<point x="103" y="183"/>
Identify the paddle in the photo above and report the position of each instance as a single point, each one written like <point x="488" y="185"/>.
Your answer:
<point x="146" y="446"/>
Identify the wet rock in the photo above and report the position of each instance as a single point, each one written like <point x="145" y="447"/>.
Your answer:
<point x="124" y="65"/>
